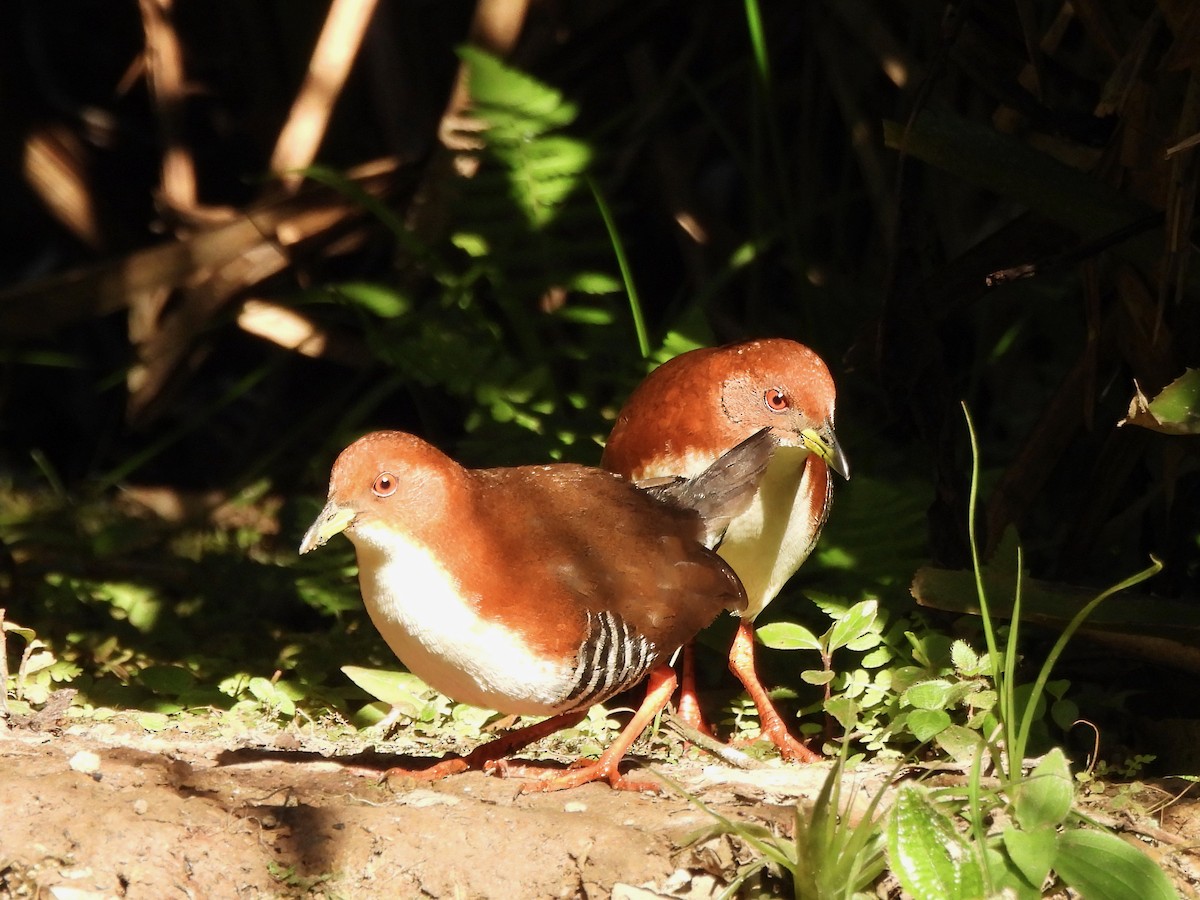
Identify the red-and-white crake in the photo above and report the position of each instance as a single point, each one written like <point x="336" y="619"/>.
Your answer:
<point x="695" y="407"/>
<point x="537" y="589"/>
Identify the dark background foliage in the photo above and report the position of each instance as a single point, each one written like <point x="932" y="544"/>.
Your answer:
<point x="849" y="179"/>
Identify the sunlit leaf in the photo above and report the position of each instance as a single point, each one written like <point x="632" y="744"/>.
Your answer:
<point x="925" y="723"/>
<point x="787" y="636"/>
<point x="1046" y="794"/>
<point x="855" y="623"/>
<point x="1101" y="866"/>
<point x="928" y="694"/>
<point x="927" y="854"/>
<point x="1032" y="851"/>
<point x="1174" y="410"/>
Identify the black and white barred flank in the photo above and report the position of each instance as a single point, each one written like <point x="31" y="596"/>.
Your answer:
<point x="611" y="658"/>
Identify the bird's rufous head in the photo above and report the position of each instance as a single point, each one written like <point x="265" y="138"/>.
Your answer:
<point x="706" y="401"/>
<point x="389" y="477"/>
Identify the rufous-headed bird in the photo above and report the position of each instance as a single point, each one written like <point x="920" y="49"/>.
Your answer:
<point x="697" y="406"/>
<point x="537" y="589"/>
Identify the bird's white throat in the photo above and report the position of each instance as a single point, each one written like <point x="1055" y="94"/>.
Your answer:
<point x="767" y="543"/>
<point x="439" y="634"/>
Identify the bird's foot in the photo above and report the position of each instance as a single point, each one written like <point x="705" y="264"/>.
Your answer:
<point x="436" y="772"/>
<point x="543" y="779"/>
<point x="585" y="772"/>
<point x="790" y="749"/>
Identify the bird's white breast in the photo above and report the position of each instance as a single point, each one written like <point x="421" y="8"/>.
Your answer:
<point x="767" y="543"/>
<point x="419" y="609"/>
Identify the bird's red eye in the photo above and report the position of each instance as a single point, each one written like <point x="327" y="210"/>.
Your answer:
<point x="385" y="485"/>
<point x="776" y="400"/>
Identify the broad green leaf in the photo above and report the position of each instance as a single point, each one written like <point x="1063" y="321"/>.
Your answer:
<point x="1008" y="881"/>
<point x="1033" y="851"/>
<point x="817" y="676"/>
<point x="961" y="743"/>
<point x="865" y="641"/>
<point x="153" y="721"/>
<point x="844" y="710"/>
<point x="931" y="859"/>
<point x="787" y="636"/>
<point x="925" y="723"/>
<point x="272" y="695"/>
<point x="930" y="650"/>
<point x="172" y="680"/>
<point x="401" y="690"/>
<point x="471" y="243"/>
<point x="35" y="662"/>
<point x="1175" y="410"/>
<point x="1101" y="866"/>
<point x="1064" y="713"/>
<point x="855" y="623"/>
<point x="1046" y="795"/>
<point x="878" y="657"/>
<point x="928" y="694"/>
<point x="13" y="628"/>
<point x="984" y="699"/>
<point x="965" y="659"/>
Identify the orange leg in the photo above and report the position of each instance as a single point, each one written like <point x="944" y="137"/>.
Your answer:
<point x="741" y="664"/>
<point x="689" y="704"/>
<point x="495" y="750"/>
<point x="660" y="685"/>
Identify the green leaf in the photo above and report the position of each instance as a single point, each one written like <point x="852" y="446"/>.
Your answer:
<point x="153" y="721"/>
<point x="471" y="243"/>
<point x="931" y="859"/>
<point x="507" y="96"/>
<point x="865" y="641"/>
<point x="593" y="283"/>
<point x="787" y="636"/>
<point x="844" y="710"/>
<point x="855" y="623"/>
<point x="1175" y="410"/>
<point x="965" y="659"/>
<point x="816" y="676"/>
<point x="928" y="694"/>
<point x="173" y="680"/>
<point x="1046" y="795"/>
<point x="383" y="301"/>
<point x="272" y="695"/>
<point x="36" y="661"/>
<point x="13" y="628"/>
<point x="400" y="690"/>
<point x="137" y="604"/>
<point x="877" y="657"/>
<point x="931" y="650"/>
<point x="1101" y="866"/>
<point x="1064" y="713"/>
<point x="925" y="723"/>
<point x="959" y="742"/>
<point x="1033" y="851"/>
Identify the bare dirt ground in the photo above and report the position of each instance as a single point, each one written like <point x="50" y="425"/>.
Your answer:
<point x="103" y="811"/>
<point x="167" y="815"/>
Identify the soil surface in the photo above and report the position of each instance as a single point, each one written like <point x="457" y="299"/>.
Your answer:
<point x="107" y="810"/>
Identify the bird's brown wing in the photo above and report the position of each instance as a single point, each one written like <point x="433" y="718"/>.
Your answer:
<point x="724" y="490"/>
<point x="606" y="546"/>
